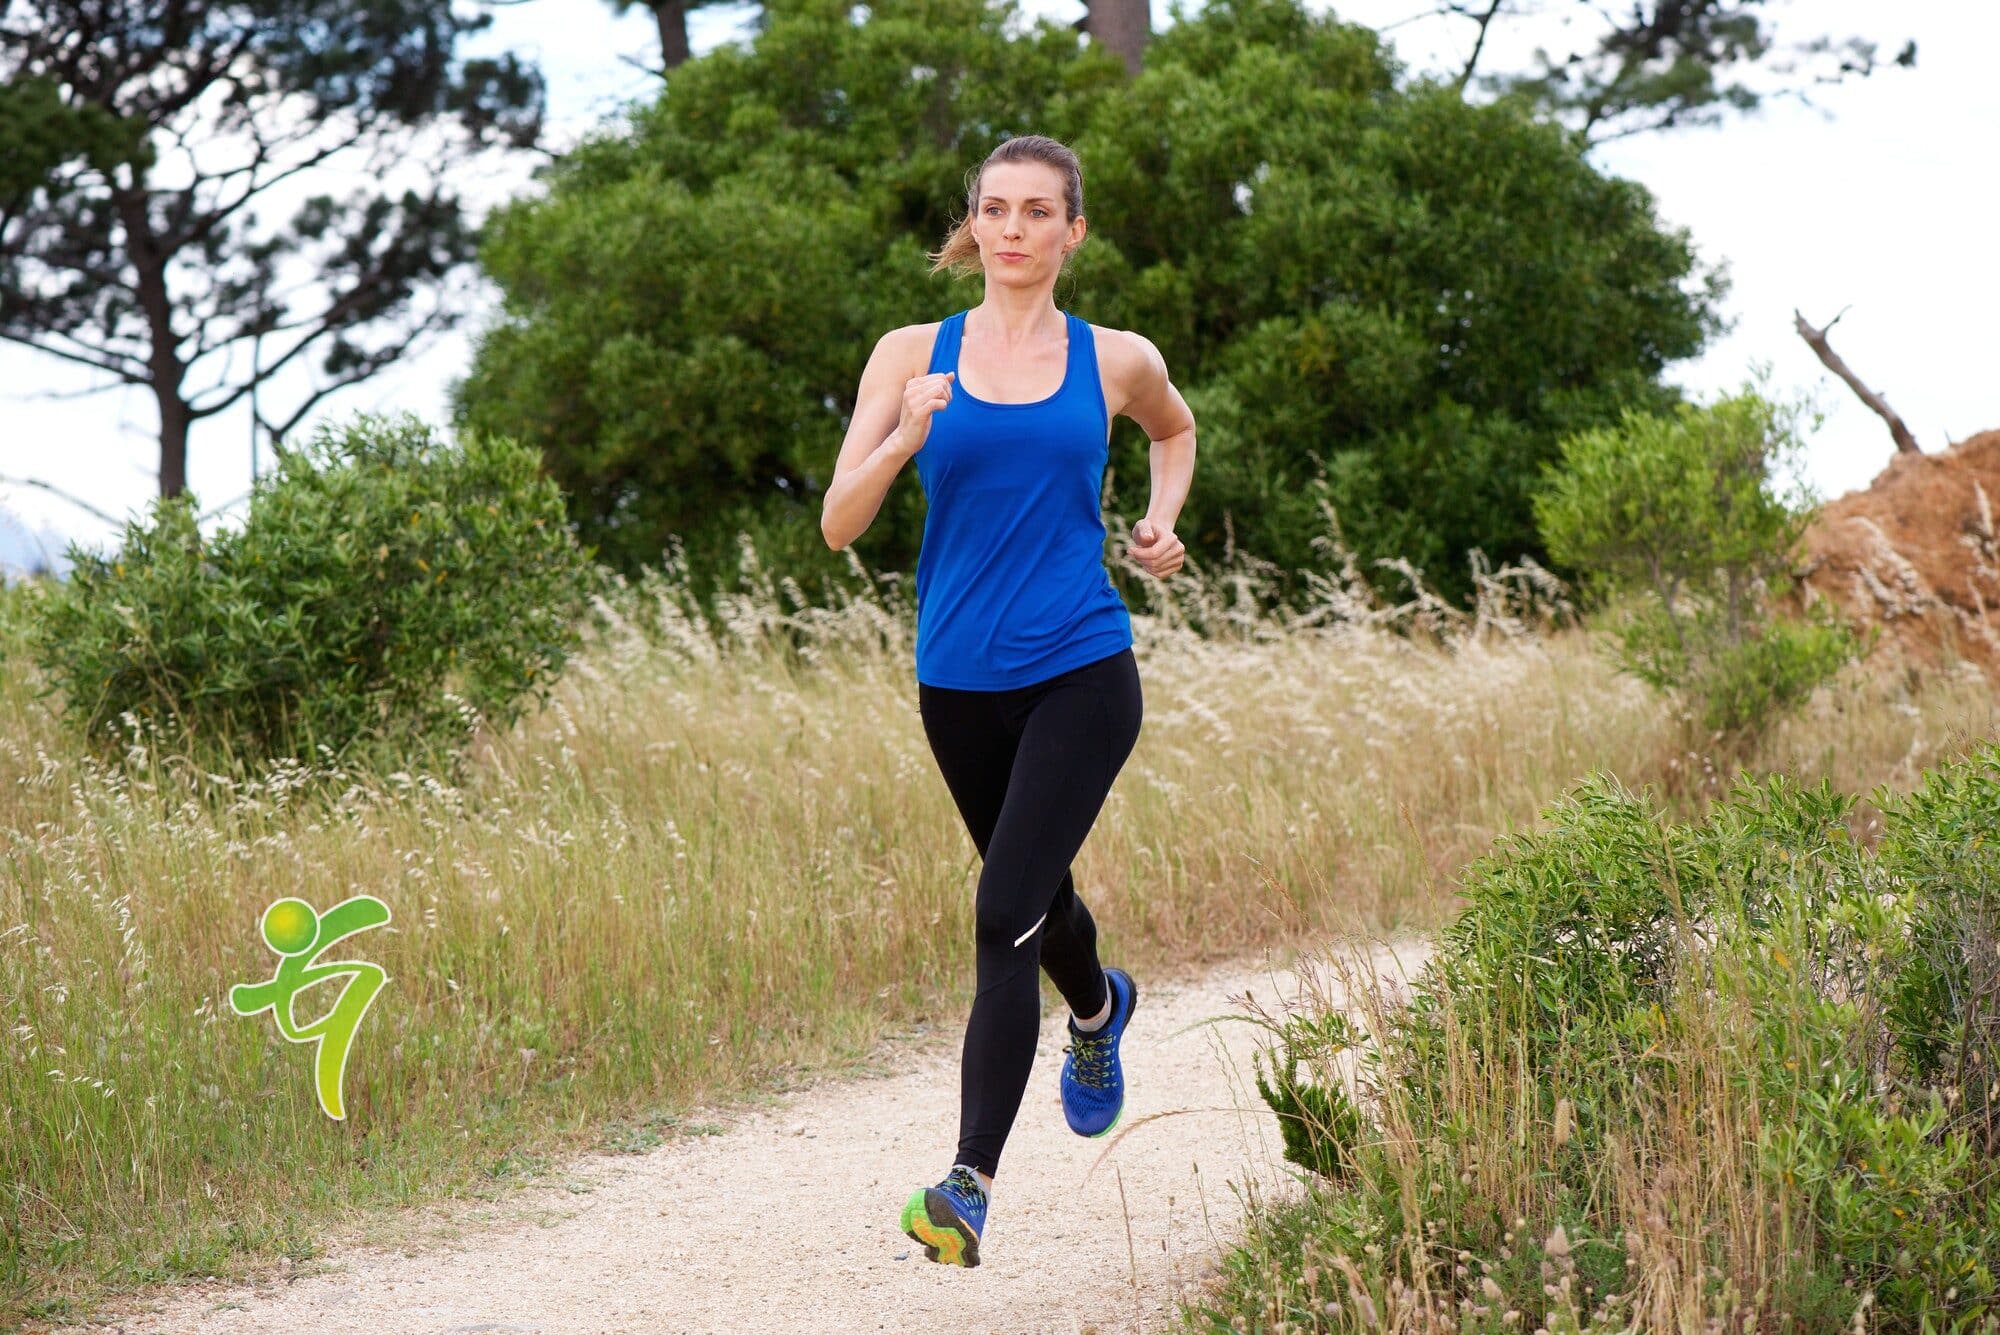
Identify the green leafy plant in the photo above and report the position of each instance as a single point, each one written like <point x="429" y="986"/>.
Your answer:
<point x="387" y="589"/>
<point x="1942" y="842"/>
<point x="1747" y="1048"/>
<point x="1318" y="1119"/>
<point x="1698" y="511"/>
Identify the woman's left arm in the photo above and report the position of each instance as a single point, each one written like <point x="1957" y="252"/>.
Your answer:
<point x="1163" y="415"/>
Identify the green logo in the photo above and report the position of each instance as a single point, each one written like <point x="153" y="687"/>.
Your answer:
<point x="300" y="935"/>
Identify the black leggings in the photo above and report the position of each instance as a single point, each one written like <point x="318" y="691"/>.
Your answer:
<point x="1029" y="769"/>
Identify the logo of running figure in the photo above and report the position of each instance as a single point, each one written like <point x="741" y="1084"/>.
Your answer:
<point x="300" y="936"/>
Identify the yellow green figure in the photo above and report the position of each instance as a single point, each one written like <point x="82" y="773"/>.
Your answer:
<point x="300" y="935"/>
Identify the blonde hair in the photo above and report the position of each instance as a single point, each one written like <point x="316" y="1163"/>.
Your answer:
<point x="960" y="252"/>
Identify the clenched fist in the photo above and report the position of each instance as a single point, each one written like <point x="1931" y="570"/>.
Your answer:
<point x="922" y="396"/>
<point x="1156" y="548"/>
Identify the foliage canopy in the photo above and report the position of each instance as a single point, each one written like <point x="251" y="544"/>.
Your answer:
<point x="1371" y="293"/>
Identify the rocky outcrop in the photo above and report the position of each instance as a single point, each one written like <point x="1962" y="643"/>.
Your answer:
<point x="1916" y="553"/>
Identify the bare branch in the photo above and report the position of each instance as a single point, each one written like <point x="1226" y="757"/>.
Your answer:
<point x="65" y="395"/>
<point x="1817" y="340"/>
<point x="638" y="64"/>
<point x="438" y="318"/>
<point x="1478" y="43"/>
<point x="77" y="501"/>
<point x="124" y="373"/>
<point x="202" y="519"/>
<point x="209" y="222"/>
<point x="200" y="78"/>
<point x="333" y="318"/>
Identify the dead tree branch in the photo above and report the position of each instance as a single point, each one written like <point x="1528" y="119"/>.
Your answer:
<point x="80" y="504"/>
<point x="1817" y="340"/>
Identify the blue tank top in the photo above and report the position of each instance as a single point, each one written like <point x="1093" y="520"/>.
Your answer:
<point x="1011" y="584"/>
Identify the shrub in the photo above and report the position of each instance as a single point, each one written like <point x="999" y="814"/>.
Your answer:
<point x="1658" y="1075"/>
<point x="1942" y="844"/>
<point x="386" y="589"/>
<point x="1700" y="511"/>
<point x="1318" y="1120"/>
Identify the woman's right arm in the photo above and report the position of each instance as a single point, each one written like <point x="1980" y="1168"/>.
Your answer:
<point x="891" y="419"/>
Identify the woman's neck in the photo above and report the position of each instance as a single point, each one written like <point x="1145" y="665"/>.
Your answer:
<point x="1012" y="323"/>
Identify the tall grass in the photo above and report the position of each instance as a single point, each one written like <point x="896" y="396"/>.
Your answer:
<point x="1732" y="1075"/>
<point x="722" y="854"/>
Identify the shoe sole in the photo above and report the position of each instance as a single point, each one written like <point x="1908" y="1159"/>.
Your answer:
<point x="929" y="1219"/>
<point x="1118" y="1116"/>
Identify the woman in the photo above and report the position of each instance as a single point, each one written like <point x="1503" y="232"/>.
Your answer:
<point x="1026" y="680"/>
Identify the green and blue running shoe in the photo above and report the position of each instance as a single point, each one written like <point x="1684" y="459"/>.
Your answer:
<point x="948" y="1218"/>
<point x="1093" y="1083"/>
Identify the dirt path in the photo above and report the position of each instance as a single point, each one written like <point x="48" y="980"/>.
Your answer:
<point x="787" y="1220"/>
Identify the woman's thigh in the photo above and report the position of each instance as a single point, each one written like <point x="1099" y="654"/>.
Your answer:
<point x="1074" y="740"/>
<point x="1116" y="681"/>
<point x="974" y="745"/>
<point x="1049" y="752"/>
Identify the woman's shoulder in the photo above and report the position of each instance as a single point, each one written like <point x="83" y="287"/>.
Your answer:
<point x="1122" y="356"/>
<point x="913" y="344"/>
<point x="1110" y="342"/>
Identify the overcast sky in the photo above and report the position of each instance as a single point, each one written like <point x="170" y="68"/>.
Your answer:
<point x="1880" y="198"/>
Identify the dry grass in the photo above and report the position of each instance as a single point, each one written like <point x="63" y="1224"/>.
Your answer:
<point x="1693" y="1228"/>
<point x="716" y="859"/>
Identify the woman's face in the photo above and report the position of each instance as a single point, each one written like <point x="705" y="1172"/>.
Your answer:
<point x="1020" y="212"/>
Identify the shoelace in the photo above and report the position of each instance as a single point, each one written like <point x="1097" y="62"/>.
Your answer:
<point x="1091" y="1054"/>
<point x="967" y="1186"/>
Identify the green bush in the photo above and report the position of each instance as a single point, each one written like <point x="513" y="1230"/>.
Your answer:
<point x="1318" y="1120"/>
<point x="387" y="589"/>
<point x="1751" y="1032"/>
<point x="1769" y="669"/>
<point x="1373" y="293"/>
<point x="1943" y="844"/>
<point x="1700" y="512"/>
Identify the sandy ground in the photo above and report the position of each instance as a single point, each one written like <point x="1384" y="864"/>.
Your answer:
<point x="787" y="1219"/>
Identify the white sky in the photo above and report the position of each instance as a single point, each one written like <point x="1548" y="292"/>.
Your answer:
<point x="1880" y="198"/>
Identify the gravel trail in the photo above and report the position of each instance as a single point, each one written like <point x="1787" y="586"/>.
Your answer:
<point x="787" y="1219"/>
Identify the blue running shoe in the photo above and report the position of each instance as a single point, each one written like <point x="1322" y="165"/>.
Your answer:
<point x="1093" y="1083"/>
<point x="948" y="1218"/>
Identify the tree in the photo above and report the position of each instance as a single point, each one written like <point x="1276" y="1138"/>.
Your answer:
<point x="1382" y="298"/>
<point x="1662" y="64"/>
<point x="670" y="16"/>
<point x="688" y="305"/>
<point x="157" y="136"/>
<point x="1122" y="27"/>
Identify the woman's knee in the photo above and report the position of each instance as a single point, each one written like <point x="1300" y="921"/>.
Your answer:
<point x="997" y="924"/>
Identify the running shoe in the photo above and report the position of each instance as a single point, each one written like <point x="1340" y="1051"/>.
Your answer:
<point x="948" y="1218"/>
<point x="1093" y="1083"/>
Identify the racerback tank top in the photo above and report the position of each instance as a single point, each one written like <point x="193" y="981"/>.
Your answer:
<point x="1011" y="584"/>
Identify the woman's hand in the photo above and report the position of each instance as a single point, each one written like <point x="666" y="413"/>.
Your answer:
<point x="1157" y="549"/>
<point x="922" y="396"/>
